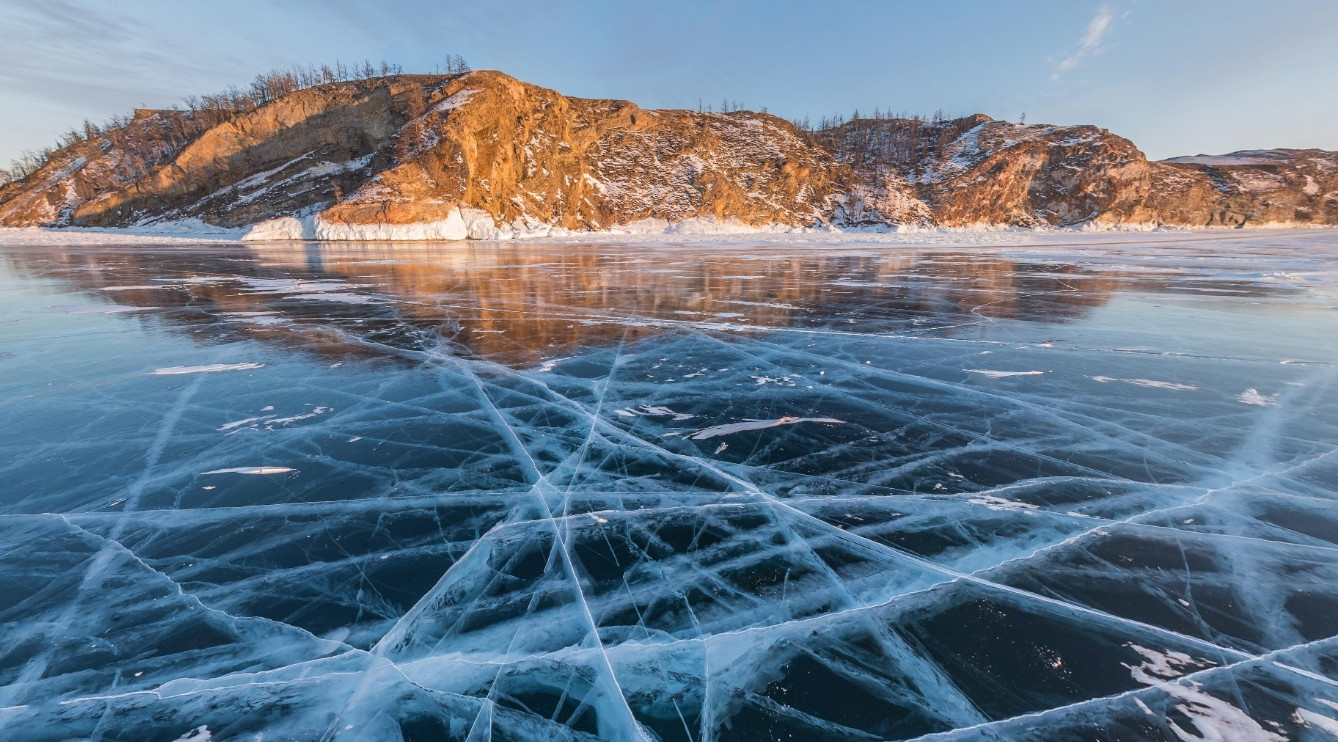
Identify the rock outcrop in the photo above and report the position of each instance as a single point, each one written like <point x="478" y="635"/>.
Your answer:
<point x="486" y="156"/>
<point x="979" y="171"/>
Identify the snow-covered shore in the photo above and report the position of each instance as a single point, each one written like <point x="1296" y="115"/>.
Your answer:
<point x="696" y="233"/>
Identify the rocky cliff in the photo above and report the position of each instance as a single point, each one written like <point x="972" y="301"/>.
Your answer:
<point x="979" y="171"/>
<point x="486" y="156"/>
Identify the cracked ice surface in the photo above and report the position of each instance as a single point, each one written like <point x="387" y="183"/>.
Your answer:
<point x="1074" y="489"/>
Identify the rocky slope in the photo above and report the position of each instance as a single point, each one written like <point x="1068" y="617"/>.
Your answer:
<point x="484" y="155"/>
<point x="978" y="171"/>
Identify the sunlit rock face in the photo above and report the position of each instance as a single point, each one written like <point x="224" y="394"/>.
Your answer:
<point x="977" y="171"/>
<point x="376" y="159"/>
<point x="1048" y="491"/>
<point x="485" y="156"/>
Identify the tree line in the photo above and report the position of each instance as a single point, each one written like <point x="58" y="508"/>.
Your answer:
<point x="837" y="121"/>
<point x="206" y="111"/>
<point x="899" y="139"/>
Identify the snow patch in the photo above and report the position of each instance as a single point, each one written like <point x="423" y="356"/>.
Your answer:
<point x="1319" y="721"/>
<point x="198" y="734"/>
<point x="1000" y="504"/>
<point x="455" y="101"/>
<point x="551" y="364"/>
<point x="254" y="470"/>
<point x="1149" y="383"/>
<point x="1253" y="397"/>
<point x="654" y="411"/>
<point x="212" y="368"/>
<point x="719" y="430"/>
<point x="991" y="373"/>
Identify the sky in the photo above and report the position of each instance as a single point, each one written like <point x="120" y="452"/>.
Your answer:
<point x="1175" y="76"/>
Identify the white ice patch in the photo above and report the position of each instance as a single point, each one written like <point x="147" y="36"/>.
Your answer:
<point x="1159" y="666"/>
<point x="1214" y="720"/>
<point x="1252" y="396"/>
<point x="480" y="225"/>
<point x="665" y="412"/>
<point x="1002" y="374"/>
<point x="453" y="227"/>
<point x="212" y="368"/>
<point x="653" y="411"/>
<point x="261" y="470"/>
<point x="551" y="364"/>
<point x="96" y="309"/>
<point x="1318" y="721"/>
<point x="998" y="503"/>
<point x="342" y="297"/>
<point x="239" y="423"/>
<point x="296" y="286"/>
<point x="270" y="421"/>
<point x="1149" y="383"/>
<point x="719" y="430"/>
<point x="255" y="318"/>
<point x="198" y="734"/>
<point x="316" y="412"/>
<point x="280" y="229"/>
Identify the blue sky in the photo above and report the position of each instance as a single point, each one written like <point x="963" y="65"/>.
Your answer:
<point x="1175" y="76"/>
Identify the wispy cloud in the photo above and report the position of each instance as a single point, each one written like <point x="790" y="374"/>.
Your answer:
<point x="1091" y="40"/>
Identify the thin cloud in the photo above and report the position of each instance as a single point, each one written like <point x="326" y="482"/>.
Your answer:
<point x="1091" y="40"/>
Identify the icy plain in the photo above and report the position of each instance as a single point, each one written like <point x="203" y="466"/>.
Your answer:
<point x="1077" y="489"/>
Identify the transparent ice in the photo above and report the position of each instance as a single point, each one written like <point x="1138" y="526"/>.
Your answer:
<point x="566" y="492"/>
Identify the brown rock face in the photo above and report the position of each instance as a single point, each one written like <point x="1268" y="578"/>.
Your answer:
<point x="421" y="149"/>
<point x="528" y="156"/>
<point x="978" y="171"/>
<point x="410" y="149"/>
<point x="280" y="159"/>
<point x="1277" y="186"/>
<point x="76" y="174"/>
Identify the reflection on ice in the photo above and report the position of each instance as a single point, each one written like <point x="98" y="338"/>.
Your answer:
<point x="575" y="492"/>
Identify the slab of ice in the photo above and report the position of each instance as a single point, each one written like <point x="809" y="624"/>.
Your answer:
<point x="542" y="491"/>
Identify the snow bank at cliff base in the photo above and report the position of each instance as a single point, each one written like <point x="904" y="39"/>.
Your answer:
<point x="478" y="226"/>
<point x="453" y="227"/>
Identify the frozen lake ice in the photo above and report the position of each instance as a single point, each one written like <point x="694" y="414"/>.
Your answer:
<point x="1081" y="488"/>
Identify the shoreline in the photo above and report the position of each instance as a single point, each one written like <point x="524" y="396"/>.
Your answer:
<point x="762" y="236"/>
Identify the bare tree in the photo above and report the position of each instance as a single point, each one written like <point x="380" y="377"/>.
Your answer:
<point x="196" y="114"/>
<point x="410" y="137"/>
